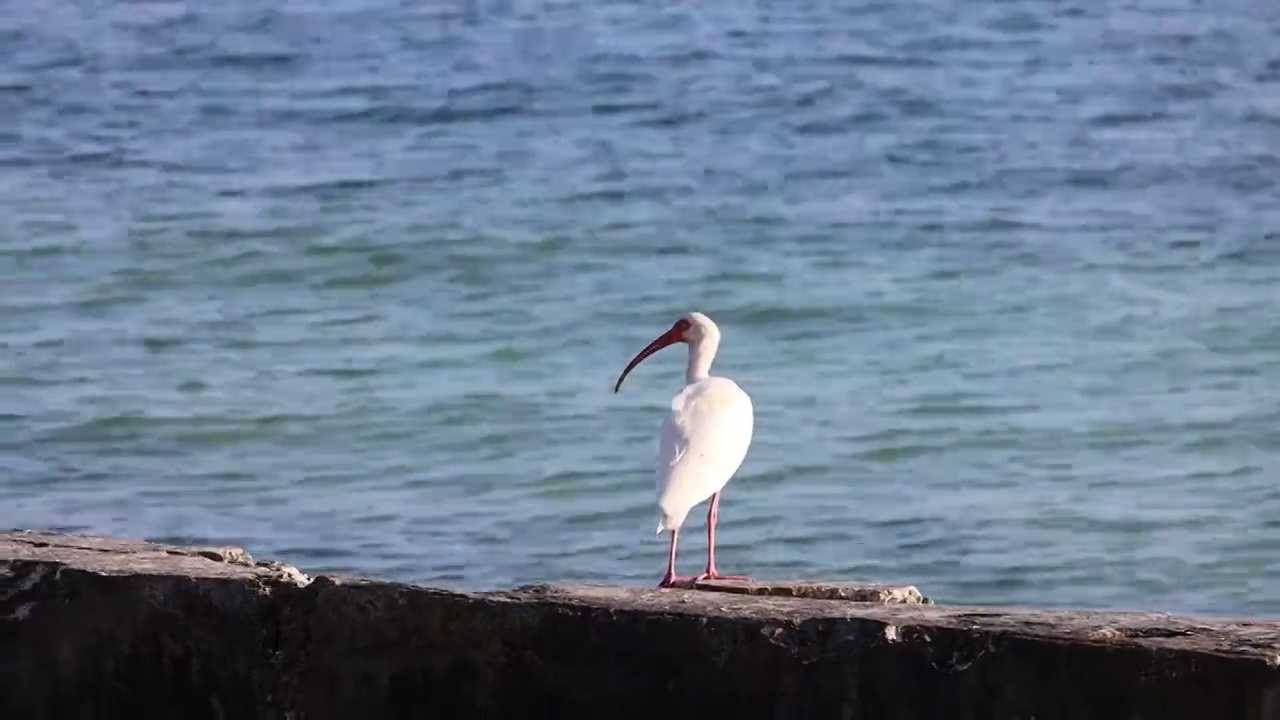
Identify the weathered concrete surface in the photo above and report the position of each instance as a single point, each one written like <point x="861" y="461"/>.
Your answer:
<point x="101" y="628"/>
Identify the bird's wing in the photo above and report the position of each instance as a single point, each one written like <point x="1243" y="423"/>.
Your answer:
<point x="704" y="440"/>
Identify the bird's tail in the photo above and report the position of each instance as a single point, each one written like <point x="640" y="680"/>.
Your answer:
<point x="670" y="522"/>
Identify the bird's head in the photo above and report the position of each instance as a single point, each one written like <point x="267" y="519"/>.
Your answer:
<point x="692" y="329"/>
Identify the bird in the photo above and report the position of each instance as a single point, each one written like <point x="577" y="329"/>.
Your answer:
<point x="703" y="441"/>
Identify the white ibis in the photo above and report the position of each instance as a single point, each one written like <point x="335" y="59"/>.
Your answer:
<point x="704" y="438"/>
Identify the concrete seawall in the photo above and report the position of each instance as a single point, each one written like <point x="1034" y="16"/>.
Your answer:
<point x="91" y="627"/>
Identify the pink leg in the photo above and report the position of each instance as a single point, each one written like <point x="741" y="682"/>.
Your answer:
<point x="670" y="579"/>
<point x="713" y="515"/>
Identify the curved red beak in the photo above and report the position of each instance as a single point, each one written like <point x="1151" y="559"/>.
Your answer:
<point x="670" y="337"/>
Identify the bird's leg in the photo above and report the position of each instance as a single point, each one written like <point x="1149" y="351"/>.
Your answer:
<point x="670" y="579"/>
<point x="713" y="515"/>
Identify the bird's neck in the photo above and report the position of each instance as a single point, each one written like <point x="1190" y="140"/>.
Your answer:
<point x="701" y="354"/>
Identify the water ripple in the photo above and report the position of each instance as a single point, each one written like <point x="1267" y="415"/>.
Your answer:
<point x="351" y="284"/>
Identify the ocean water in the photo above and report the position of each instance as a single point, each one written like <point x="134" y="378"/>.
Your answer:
<point x="348" y="283"/>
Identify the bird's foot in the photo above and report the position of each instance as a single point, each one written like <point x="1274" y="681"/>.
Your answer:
<point x="672" y="581"/>
<point x="712" y="574"/>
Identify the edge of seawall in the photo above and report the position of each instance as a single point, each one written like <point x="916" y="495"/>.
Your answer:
<point x="96" y="627"/>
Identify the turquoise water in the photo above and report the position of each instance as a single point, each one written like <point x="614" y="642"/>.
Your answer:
<point x="349" y="284"/>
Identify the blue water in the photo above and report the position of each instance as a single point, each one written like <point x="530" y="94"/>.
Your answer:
<point x="349" y="284"/>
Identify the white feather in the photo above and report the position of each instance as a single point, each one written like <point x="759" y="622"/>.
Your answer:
<point x="704" y="440"/>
